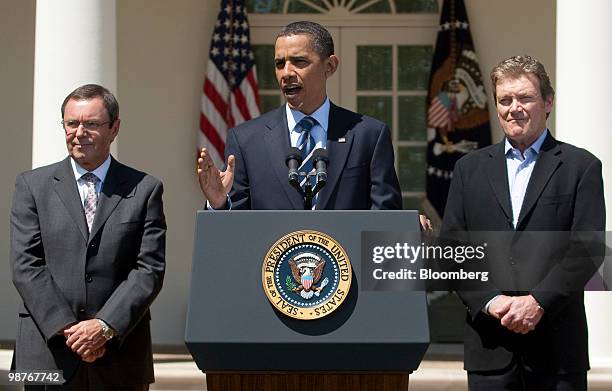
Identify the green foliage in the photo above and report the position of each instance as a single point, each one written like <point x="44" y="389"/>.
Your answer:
<point x="289" y="282"/>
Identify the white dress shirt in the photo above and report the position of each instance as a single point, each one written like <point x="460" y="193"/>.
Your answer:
<point x="100" y="172"/>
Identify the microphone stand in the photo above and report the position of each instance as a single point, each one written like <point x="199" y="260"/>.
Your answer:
<point x="309" y="192"/>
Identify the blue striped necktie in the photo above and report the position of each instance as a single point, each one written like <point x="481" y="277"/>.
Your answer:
<point x="306" y="144"/>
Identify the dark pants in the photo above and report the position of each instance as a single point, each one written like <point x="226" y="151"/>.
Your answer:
<point x="86" y="379"/>
<point x="517" y="378"/>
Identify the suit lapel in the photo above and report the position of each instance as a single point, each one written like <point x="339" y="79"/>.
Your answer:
<point x="497" y="173"/>
<point x="548" y="160"/>
<point x="112" y="192"/>
<point x="66" y="188"/>
<point x="337" y="151"/>
<point x="276" y="140"/>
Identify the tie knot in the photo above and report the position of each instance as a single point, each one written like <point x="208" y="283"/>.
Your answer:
<point x="90" y="178"/>
<point x="306" y="124"/>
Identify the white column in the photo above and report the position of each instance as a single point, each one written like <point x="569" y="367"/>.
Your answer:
<point x="75" y="45"/>
<point x="583" y="86"/>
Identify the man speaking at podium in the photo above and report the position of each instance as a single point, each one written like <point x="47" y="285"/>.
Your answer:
<point x="360" y="173"/>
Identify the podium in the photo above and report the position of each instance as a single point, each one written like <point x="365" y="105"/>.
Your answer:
<point x="372" y="341"/>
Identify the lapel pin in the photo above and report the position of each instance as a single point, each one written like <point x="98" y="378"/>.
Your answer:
<point x="342" y="140"/>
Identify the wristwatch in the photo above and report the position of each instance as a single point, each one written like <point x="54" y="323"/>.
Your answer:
<point x="107" y="332"/>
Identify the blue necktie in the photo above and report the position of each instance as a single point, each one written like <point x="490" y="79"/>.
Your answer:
<point x="305" y="141"/>
<point x="306" y="144"/>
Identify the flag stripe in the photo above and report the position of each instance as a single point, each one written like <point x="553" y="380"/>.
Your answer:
<point x="212" y="135"/>
<point x="437" y="114"/>
<point x="214" y="117"/>
<point x="229" y="95"/>
<point x="255" y="102"/>
<point x="236" y="113"/>
<point x="216" y="77"/>
<point x="212" y="95"/>
<point x="249" y="97"/>
<point x="204" y="142"/>
<point x="241" y="103"/>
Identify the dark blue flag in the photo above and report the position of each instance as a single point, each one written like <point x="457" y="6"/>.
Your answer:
<point x="457" y="113"/>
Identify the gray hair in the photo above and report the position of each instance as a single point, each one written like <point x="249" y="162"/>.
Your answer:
<point x="516" y="66"/>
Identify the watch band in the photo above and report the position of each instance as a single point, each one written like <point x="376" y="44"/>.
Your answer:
<point x="107" y="332"/>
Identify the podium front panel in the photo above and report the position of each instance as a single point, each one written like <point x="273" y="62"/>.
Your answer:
<point x="231" y="325"/>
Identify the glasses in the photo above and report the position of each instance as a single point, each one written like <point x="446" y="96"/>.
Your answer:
<point x="73" y="124"/>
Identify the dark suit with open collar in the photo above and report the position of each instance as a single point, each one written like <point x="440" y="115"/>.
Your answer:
<point x="565" y="193"/>
<point x="361" y="174"/>
<point x="64" y="274"/>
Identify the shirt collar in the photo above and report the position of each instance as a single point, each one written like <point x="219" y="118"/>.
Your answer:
<point x="536" y="146"/>
<point x="321" y="115"/>
<point x="100" y="172"/>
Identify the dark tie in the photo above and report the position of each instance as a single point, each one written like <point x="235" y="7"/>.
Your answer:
<point x="306" y="144"/>
<point x="91" y="198"/>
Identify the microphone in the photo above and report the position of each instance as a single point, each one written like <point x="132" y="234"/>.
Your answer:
<point x="319" y="162"/>
<point x="293" y="161"/>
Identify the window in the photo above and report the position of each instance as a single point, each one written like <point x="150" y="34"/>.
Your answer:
<point x="340" y="6"/>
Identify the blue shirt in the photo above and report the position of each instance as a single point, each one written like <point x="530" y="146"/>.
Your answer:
<point x="520" y="166"/>
<point x="318" y="132"/>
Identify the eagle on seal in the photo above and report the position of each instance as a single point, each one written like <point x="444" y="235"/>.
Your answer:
<point x="307" y="269"/>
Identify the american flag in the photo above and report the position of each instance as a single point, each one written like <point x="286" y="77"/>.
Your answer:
<point x="440" y="112"/>
<point x="230" y="93"/>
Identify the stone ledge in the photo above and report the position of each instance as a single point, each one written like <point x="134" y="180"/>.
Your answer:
<point x="179" y="372"/>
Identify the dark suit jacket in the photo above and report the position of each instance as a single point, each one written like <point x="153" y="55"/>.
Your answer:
<point x="361" y="174"/>
<point x="565" y="193"/>
<point x="64" y="274"/>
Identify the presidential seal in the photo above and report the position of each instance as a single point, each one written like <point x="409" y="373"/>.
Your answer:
<point x="306" y="275"/>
